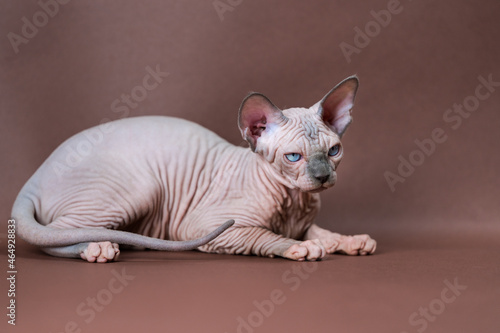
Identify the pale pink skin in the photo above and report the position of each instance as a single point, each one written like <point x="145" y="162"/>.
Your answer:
<point x="172" y="179"/>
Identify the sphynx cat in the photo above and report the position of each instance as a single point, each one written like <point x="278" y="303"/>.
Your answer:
<point x="169" y="184"/>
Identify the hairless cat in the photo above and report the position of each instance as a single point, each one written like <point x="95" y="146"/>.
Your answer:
<point x="169" y="184"/>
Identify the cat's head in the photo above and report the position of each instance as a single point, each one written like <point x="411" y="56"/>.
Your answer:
<point x="301" y="144"/>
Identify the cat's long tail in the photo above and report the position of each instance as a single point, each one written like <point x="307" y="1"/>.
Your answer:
<point x="23" y="212"/>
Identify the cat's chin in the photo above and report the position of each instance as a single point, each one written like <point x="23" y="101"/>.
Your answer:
<point x="317" y="190"/>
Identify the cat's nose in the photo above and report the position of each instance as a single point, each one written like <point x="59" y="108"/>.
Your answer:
<point x="319" y="168"/>
<point x="322" y="179"/>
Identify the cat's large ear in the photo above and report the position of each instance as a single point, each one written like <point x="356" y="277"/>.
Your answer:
<point x="257" y="114"/>
<point x="335" y="107"/>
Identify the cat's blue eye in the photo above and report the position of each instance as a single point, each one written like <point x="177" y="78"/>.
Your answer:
<point x="334" y="151"/>
<point x="293" y="157"/>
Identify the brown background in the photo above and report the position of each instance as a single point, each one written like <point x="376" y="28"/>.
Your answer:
<point x="442" y="223"/>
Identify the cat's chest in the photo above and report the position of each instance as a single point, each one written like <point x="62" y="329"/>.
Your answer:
<point x="295" y="214"/>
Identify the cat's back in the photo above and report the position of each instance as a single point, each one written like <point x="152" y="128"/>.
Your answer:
<point x="134" y="160"/>
<point x="131" y="144"/>
<point x="154" y="129"/>
<point x="138" y="138"/>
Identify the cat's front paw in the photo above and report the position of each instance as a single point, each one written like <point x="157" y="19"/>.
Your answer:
<point x="356" y="245"/>
<point x="307" y="250"/>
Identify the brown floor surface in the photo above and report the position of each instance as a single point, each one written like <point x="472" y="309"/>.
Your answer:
<point x="198" y="292"/>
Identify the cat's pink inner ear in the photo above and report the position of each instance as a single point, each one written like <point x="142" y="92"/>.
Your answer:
<point x="254" y="118"/>
<point x="337" y="104"/>
<point x="256" y="112"/>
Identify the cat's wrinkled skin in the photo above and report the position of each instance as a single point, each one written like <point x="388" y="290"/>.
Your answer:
<point x="170" y="179"/>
